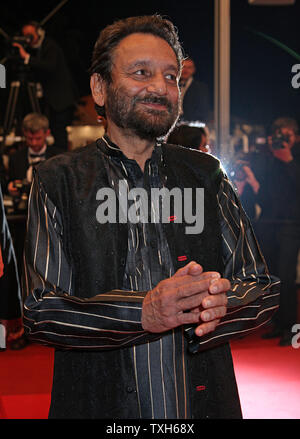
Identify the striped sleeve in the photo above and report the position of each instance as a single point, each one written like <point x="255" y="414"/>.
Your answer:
<point x="10" y="291"/>
<point x="254" y="294"/>
<point x="53" y="315"/>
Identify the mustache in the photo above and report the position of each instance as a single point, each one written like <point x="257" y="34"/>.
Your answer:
<point x="151" y="99"/>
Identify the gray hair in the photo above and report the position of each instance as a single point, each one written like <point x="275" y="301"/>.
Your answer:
<point x="35" y="122"/>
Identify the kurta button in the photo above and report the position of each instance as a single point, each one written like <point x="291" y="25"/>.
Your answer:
<point x="129" y="389"/>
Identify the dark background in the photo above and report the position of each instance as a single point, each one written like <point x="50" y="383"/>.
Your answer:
<point x="261" y="74"/>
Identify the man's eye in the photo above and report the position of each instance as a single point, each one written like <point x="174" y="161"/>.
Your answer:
<point x="171" y="77"/>
<point x="140" y="72"/>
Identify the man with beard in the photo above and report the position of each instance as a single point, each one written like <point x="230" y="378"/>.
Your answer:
<point x="140" y="312"/>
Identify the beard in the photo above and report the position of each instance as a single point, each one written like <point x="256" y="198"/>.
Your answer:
<point x="146" y="123"/>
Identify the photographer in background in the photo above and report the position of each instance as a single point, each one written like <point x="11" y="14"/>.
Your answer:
<point x="35" y="150"/>
<point x="45" y="58"/>
<point x="247" y="186"/>
<point x="279" y="222"/>
<point x="36" y="130"/>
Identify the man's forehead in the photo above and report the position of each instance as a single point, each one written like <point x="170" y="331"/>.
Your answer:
<point x="143" y="45"/>
<point x="29" y="28"/>
<point x="40" y="132"/>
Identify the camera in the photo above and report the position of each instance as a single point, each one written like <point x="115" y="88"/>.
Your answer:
<point x="23" y="40"/>
<point x="237" y="171"/>
<point x="20" y="39"/>
<point x="21" y="201"/>
<point x="23" y="186"/>
<point x="278" y="139"/>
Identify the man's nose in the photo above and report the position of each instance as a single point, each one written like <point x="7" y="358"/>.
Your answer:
<point x="34" y="142"/>
<point x="157" y="85"/>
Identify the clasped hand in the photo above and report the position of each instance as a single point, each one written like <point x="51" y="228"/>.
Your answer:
<point x="190" y="296"/>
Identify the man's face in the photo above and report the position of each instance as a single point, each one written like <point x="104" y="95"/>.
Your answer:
<point x="143" y="97"/>
<point x="36" y="140"/>
<point x="30" y="30"/>
<point x="290" y="134"/>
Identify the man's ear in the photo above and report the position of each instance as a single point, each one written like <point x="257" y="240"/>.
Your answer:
<point x="98" y="89"/>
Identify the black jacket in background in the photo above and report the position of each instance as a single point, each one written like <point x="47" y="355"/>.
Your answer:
<point x="18" y="162"/>
<point x="279" y="191"/>
<point x="196" y="106"/>
<point x="49" y="67"/>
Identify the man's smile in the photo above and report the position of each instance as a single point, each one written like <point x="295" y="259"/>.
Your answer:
<point x="155" y="103"/>
<point x="155" y="106"/>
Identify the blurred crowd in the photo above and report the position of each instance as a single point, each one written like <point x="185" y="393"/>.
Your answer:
<point x="267" y="181"/>
<point x="264" y="169"/>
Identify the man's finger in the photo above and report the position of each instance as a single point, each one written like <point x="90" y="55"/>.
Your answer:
<point x="213" y="275"/>
<point x="206" y="328"/>
<point x="184" y="280"/>
<point x="191" y="303"/>
<point x="187" y="318"/>
<point x="192" y="288"/>
<point x="212" y="301"/>
<point x="219" y="286"/>
<point x="213" y="313"/>
<point x="190" y="268"/>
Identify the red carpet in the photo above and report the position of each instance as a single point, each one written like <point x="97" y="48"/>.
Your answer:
<point x="25" y="382"/>
<point x="268" y="378"/>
